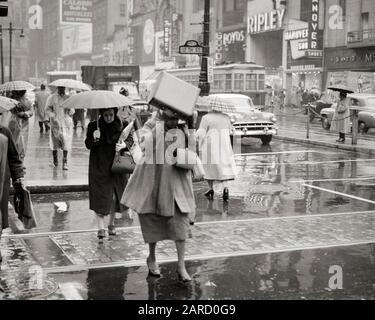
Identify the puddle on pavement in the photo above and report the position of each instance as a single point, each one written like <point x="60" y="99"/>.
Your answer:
<point x="289" y="275"/>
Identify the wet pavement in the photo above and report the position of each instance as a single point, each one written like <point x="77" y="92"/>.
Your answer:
<point x="295" y="211"/>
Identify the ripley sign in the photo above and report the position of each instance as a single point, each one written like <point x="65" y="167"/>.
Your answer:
<point x="263" y="22"/>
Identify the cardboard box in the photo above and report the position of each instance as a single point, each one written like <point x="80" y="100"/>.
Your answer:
<point x="175" y="94"/>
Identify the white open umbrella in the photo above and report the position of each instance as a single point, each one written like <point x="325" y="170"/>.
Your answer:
<point x="71" y="84"/>
<point x="97" y="99"/>
<point x="7" y="104"/>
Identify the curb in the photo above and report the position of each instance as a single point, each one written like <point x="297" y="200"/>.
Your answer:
<point x="370" y="152"/>
<point x="55" y="189"/>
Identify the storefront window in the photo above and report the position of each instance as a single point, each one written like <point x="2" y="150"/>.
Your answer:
<point x="228" y="82"/>
<point x="261" y="82"/>
<point x="251" y="82"/>
<point x="238" y="81"/>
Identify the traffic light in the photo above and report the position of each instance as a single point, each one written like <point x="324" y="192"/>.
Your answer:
<point x="3" y="9"/>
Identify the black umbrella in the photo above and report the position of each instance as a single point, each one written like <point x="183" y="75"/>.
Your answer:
<point x="341" y="89"/>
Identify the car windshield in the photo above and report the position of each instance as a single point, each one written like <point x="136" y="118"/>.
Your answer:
<point x="241" y="103"/>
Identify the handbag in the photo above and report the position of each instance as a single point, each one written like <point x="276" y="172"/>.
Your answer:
<point x="198" y="170"/>
<point x="123" y="163"/>
<point x="186" y="159"/>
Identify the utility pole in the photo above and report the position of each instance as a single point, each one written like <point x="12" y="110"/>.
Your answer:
<point x="2" y="54"/>
<point x="203" y="78"/>
<point x="10" y="51"/>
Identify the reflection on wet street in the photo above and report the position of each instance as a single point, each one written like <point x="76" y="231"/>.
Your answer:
<point x="289" y="275"/>
<point x="295" y="212"/>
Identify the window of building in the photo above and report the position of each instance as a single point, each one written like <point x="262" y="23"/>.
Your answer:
<point x="342" y="4"/>
<point x="233" y="5"/>
<point x="238" y="81"/>
<point x="365" y="18"/>
<point x="122" y="9"/>
<point x="228" y="82"/>
<point x="219" y="82"/>
<point x="251" y="82"/>
<point x="198" y="5"/>
<point x="261" y="82"/>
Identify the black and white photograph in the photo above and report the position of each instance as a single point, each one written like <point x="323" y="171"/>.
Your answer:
<point x="198" y="152"/>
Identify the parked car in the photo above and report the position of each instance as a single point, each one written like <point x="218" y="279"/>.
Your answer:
<point x="325" y="101"/>
<point x="366" y="118"/>
<point x="248" y="120"/>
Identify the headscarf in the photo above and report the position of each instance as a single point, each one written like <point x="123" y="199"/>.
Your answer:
<point x="110" y="132"/>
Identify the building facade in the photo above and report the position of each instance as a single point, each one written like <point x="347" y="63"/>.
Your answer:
<point x="349" y="52"/>
<point x="18" y="16"/>
<point x="108" y="16"/>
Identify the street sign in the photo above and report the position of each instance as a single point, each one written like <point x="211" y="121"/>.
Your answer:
<point x="191" y="47"/>
<point x="210" y="70"/>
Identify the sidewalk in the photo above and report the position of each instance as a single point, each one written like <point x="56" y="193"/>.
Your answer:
<point x="295" y="131"/>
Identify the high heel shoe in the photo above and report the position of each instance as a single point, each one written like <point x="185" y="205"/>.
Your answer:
<point x="226" y="194"/>
<point x="153" y="273"/>
<point x="183" y="279"/>
<point x="210" y="194"/>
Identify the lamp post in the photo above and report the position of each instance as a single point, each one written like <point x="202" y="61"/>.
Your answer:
<point x="10" y="30"/>
<point x="203" y="78"/>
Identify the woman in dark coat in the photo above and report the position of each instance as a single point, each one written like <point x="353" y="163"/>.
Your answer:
<point x="11" y="166"/>
<point x="105" y="187"/>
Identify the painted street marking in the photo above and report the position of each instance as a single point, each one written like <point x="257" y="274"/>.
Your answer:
<point x="333" y="180"/>
<point x="321" y="215"/>
<point x="275" y="153"/>
<point x="339" y="193"/>
<point x="306" y="162"/>
<point x="141" y="263"/>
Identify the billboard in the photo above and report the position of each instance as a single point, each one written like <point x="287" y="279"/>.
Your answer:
<point x="77" y="39"/>
<point x="76" y="11"/>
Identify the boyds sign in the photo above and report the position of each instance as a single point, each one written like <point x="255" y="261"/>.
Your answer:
<point x="233" y="37"/>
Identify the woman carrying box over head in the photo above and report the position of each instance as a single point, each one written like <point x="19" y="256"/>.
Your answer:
<point x="162" y="193"/>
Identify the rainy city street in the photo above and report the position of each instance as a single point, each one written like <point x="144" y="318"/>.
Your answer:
<point x="296" y="213"/>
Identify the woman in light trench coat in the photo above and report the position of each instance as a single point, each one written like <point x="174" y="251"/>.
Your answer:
<point x="341" y="117"/>
<point x="162" y="194"/>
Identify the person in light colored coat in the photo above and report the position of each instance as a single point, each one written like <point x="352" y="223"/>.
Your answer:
<point x="216" y="151"/>
<point x="341" y="118"/>
<point x="162" y="194"/>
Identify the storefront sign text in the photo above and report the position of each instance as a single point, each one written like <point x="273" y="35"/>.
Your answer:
<point x="263" y="22"/>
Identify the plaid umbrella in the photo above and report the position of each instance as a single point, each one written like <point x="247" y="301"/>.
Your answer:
<point x="7" y="104"/>
<point x="214" y="103"/>
<point x="16" y="86"/>
<point x="71" y="84"/>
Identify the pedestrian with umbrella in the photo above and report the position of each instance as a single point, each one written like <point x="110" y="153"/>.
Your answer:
<point x="102" y="139"/>
<point x="341" y="117"/>
<point x="215" y="144"/>
<point x="61" y="123"/>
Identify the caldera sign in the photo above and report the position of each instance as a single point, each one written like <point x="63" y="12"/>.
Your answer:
<point x="268" y="21"/>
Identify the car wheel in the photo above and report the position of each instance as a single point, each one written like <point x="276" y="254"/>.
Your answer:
<point x="362" y="128"/>
<point x="266" y="140"/>
<point x="325" y="123"/>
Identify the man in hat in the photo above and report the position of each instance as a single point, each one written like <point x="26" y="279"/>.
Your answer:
<point x="61" y="126"/>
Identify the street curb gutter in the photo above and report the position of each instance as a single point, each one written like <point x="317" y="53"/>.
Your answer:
<point x="370" y="152"/>
<point x="49" y="189"/>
